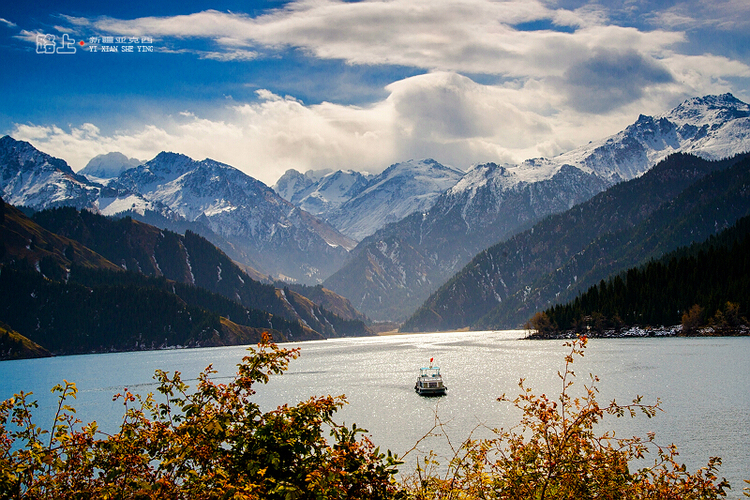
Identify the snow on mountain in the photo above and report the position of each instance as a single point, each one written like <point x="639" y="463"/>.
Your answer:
<point x="271" y="233"/>
<point x="292" y="183"/>
<point x="321" y="194"/>
<point x="34" y="179"/>
<point x="284" y="240"/>
<point x="711" y="127"/>
<point x="107" y="166"/>
<point x="117" y="203"/>
<point x="398" y="191"/>
<point x="163" y="169"/>
<point x="492" y="202"/>
<point x="455" y="210"/>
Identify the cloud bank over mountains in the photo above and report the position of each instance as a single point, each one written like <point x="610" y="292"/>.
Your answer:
<point x="470" y="81"/>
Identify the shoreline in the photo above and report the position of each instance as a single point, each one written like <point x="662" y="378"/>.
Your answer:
<point x="642" y="332"/>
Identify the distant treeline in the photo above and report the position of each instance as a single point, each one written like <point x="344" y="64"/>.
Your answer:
<point x="706" y="284"/>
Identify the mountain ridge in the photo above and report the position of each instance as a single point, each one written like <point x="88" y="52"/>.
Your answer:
<point x="188" y="259"/>
<point x="493" y="288"/>
<point x="358" y="205"/>
<point x="265" y="231"/>
<point x="435" y="230"/>
<point x="495" y="201"/>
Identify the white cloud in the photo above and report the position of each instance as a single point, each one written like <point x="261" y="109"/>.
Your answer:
<point x="7" y="23"/>
<point x="442" y="115"/>
<point x="727" y="15"/>
<point x="28" y="36"/>
<point x="468" y="36"/>
<point x="64" y="29"/>
<point x="263" y="139"/>
<point x="236" y="55"/>
<point x="555" y="90"/>
<point x="447" y="111"/>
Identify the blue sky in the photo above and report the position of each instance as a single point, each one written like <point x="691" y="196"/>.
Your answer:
<point x="312" y="84"/>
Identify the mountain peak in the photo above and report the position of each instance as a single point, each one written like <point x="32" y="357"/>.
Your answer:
<point x="21" y="155"/>
<point x="291" y="183"/>
<point x="35" y="179"/>
<point x="168" y="158"/>
<point x="711" y="108"/>
<point x="426" y="167"/>
<point x="721" y="100"/>
<point x="109" y="165"/>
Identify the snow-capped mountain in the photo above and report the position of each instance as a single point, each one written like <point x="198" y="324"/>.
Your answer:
<point x="357" y="204"/>
<point x="711" y="127"/>
<point x="320" y="192"/>
<point x="282" y="239"/>
<point x="492" y="202"/>
<point x="31" y="178"/>
<point x="107" y="166"/>
<point x="682" y="200"/>
<point x="276" y="237"/>
<point x="441" y="216"/>
<point x="399" y="190"/>
<point x="292" y="182"/>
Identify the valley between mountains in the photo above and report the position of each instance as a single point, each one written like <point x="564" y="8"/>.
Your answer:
<point x="333" y="253"/>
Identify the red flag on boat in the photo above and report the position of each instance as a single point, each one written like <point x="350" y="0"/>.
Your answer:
<point x="430" y="360"/>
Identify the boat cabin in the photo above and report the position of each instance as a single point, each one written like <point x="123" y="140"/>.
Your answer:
<point x="430" y="382"/>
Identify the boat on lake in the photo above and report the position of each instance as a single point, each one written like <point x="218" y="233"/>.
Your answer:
<point x="430" y="382"/>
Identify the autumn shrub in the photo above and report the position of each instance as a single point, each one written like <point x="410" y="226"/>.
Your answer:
<point x="555" y="453"/>
<point x="210" y="442"/>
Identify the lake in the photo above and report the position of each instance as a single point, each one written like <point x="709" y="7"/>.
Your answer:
<point x="703" y="383"/>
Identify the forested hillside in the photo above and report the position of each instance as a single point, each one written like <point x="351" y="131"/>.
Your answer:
<point x="69" y="318"/>
<point x="709" y="205"/>
<point x="702" y="285"/>
<point x="683" y="199"/>
<point x="13" y="345"/>
<point x="59" y="293"/>
<point x="190" y="259"/>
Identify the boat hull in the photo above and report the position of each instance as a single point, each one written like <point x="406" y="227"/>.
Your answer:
<point x="430" y="391"/>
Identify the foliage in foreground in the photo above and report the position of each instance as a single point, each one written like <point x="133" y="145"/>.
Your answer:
<point x="214" y="442"/>
<point x="554" y="453"/>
